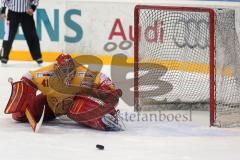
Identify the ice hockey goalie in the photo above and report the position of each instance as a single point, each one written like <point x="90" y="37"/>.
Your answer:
<point x="66" y="88"/>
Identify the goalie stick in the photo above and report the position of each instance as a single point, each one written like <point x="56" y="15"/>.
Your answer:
<point x="32" y="121"/>
<point x="34" y="124"/>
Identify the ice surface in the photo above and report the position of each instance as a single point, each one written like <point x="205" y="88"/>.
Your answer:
<point x="63" y="139"/>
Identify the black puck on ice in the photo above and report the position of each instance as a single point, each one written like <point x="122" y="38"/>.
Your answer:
<point x="99" y="146"/>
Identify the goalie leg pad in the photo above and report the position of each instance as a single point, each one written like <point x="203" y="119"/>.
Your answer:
<point x="89" y="111"/>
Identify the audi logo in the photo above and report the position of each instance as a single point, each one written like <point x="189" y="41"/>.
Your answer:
<point x="191" y="33"/>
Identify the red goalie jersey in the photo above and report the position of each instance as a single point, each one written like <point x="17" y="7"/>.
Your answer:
<point x="67" y="88"/>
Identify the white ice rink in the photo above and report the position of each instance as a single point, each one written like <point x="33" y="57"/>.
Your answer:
<point x="61" y="139"/>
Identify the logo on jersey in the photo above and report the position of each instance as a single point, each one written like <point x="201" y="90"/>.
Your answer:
<point x="44" y="74"/>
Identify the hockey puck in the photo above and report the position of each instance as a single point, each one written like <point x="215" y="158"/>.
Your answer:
<point x="99" y="146"/>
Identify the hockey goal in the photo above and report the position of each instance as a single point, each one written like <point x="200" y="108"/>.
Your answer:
<point x="187" y="57"/>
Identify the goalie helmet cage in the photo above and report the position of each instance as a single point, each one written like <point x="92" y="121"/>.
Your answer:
<point x="187" y="57"/>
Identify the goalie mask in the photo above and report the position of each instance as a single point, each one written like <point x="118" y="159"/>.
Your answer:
<point x="65" y="68"/>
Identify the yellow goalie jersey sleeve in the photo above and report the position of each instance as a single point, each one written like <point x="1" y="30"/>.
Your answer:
<point x="59" y="96"/>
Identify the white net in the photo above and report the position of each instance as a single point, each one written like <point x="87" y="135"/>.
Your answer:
<point x="174" y="62"/>
<point x="227" y="69"/>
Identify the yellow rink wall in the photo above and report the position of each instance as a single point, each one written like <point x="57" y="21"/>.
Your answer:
<point x="107" y="60"/>
<point x="51" y="57"/>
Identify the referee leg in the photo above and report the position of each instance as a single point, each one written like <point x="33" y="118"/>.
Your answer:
<point x="30" y="33"/>
<point x="11" y="27"/>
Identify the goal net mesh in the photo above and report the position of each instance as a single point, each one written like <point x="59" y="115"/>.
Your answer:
<point x="173" y="60"/>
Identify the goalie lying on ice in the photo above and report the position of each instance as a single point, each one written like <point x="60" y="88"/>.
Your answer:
<point x="67" y="88"/>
